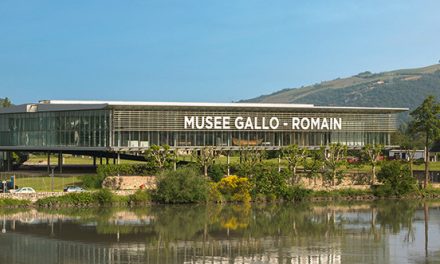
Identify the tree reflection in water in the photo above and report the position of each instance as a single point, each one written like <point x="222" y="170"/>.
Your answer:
<point x="335" y="232"/>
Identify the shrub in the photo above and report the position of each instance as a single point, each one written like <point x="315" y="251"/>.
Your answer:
<point x="396" y="180"/>
<point x="214" y="194"/>
<point x="216" y="172"/>
<point x="104" y="197"/>
<point x="71" y="199"/>
<point x="296" y="193"/>
<point x="9" y="202"/>
<point x="234" y="189"/>
<point x="93" y="181"/>
<point x="184" y="185"/>
<point x="126" y="169"/>
<point x="140" y="197"/>
<point x="268" y="181"/>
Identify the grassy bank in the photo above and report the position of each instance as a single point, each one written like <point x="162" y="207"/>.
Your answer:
<point x="105" y="198"/>
<point x="8" y="202"/>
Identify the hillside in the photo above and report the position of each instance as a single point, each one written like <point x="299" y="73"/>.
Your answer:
<point x="400" y="88"/>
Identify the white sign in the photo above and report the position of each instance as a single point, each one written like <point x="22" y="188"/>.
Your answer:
<point x="261" y="123"/>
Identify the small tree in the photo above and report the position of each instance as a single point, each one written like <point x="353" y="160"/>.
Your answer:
<point x="410" y="143"/>
<point x="205" y="158"/>
<point x="6" y="102"/>
<point x="314" y="165"/>
<point x="426" y="120"/>
<point x="250" y="158"/>
<point x="335" y="157"/>
<point x="372" y="154"/>
<point x="396" y="179"/>
<point x="295" y="156"/>
<point x="160" y="157"/>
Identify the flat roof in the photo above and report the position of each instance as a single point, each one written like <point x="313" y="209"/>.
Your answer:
<point x="72" y="105"/>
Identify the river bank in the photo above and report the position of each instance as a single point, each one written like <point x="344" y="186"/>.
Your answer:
<point x="104" y="197"/>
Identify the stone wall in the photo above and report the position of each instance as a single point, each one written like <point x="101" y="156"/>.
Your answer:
<point x="33" y="197"/>
<point x="129" y="182"/>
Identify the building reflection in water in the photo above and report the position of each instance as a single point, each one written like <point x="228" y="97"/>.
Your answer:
<point x="353" y="233"/>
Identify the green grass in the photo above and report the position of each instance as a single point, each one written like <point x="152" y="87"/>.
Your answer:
<point x="8" y="202"/>
<point x="43" y="183"/>
<point x="433" y="166"/>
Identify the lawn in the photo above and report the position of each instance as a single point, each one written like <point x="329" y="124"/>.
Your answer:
<point x="433" y="166"/>
<point x="43" y="183"/>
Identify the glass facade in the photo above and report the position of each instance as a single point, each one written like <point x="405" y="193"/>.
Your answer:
<point x="135" y="127"/>
<point x="56" y="129"/>
<point x="140" y="128"/>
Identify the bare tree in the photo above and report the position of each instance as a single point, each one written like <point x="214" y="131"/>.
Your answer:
<point x="205" y="158"/>
<point x="160" y="156"/>
<point x="335" y="157"/>
<point x="295" y="156"/>
<point x="250" y="157"/>
<point x="372" y="154"/>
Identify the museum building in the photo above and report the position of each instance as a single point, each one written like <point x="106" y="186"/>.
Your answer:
<point x="132" y="127"/>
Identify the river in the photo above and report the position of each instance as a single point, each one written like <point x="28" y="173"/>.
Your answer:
<point x="376" y="232"/>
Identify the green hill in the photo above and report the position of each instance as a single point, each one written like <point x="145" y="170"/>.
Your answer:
<point x="400" y="88"/>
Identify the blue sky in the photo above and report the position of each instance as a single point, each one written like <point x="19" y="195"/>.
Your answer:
<point x="215" y="51"/>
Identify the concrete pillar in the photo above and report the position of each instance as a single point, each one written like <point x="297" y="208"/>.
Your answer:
<point x="48" y="162"/>
<point x="60" y="162"/>
<point x="9" y="161"/>
<point x="228" y="159"/>
<point x="175" y="159"/>
<point x="119" y="158"/>
<point x="279" y="162"/>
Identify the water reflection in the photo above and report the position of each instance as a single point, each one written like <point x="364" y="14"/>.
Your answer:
<point x="379" y="232"/>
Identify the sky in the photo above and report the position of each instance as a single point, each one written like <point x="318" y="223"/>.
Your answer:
<point x="204" y="51"/>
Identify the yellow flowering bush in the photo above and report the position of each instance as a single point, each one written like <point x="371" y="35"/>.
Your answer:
<point x="234" y="189"/>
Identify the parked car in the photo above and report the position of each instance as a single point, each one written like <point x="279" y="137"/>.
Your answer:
<point x="73" y="189"/>
<point x="23" y="190"/>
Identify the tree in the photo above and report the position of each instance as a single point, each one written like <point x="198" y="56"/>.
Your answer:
<point x="334" y="158"/>
<point x="410" y="143"/>
<point x="6" y="102"/>
<point x="161" y="157"/>
<point x="396" y="179"/>
<point x="426" y="121"/>
<point x="372" y="154"/>
<point x="205" y="158"/>
<point x="250" y="157"/>
<point x="294" y="156"/>
<point x="313" y="166"/>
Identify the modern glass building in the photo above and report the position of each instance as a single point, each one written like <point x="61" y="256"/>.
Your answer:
<point x="131" y="127"/>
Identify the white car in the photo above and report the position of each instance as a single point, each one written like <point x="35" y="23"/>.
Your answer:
<point x="23" y="190"/>
<point x="73" y="189"/>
